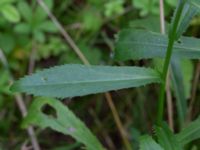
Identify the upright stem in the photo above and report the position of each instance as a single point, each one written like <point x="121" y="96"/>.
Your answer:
<point x="171" y="39"/>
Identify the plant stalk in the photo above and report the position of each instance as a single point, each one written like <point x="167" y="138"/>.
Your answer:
<point x="171" y="40"/>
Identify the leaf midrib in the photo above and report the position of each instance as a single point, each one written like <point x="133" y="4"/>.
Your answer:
<point x="97" y="81"/>
<point x="160" y="45"/>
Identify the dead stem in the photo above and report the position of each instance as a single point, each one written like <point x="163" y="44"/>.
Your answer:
<point x="194" y="89"/>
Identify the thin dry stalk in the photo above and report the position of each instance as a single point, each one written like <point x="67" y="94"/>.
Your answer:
<point x="21" y="106"/>
<point x="194" y="89"/>
<point x="31" y="65"/>
<point x="106" y="136"/>
<point x="76" y="49"/>
<point x="168" y="91"/>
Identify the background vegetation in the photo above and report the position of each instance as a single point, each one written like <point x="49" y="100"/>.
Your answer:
<point x="30" y="41"/>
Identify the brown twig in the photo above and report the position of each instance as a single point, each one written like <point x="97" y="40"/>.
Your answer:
<point x="72" y="44"/>
<point x="63" y="32"/>
<point x="194" y="89"/>
<point x="31" y="65"/>
<point x="168" y="90"/>
<point x="104" y="133"/>
<point x="21" y="106"/>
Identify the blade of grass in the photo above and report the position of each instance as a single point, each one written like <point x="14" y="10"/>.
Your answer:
<point x="177" y="81"/>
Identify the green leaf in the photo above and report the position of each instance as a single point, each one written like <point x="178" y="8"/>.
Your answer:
<point x="23" y="28"/>
<point x="5" y="2"/>
<point x="65" y="122"/>
<point x="172" y="2"/>
<point x="40" y="15"/>
<point x="139" y="44"/>
<point x="39" y="36"/>
<point x="149" y="23"/>
<point x="48" y="26"/>
<point x="196" y="3"/>
<point x="147" y="143"/>
<point x="10" y="13"/>
<point x="77" y="80"/>
<point x="146" y="6"/>
<point x="114" y="7"/>
<point x="177" y="82"/>
<point x="190" y="133"/>
<point x="188" y="70"/>
<point x="25" y="10"/>
<point x="166" y="138"/>
<point x="7" y="42"/>
<point x="189" y="11"/>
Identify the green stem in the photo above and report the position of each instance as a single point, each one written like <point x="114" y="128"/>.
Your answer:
<point x="171" y="38"/>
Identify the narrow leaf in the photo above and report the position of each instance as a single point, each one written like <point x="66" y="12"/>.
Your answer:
<point x="147" y="143"/>
<point x="189" y="11"/>
<point x="140" y="44"/>
<point x="177" y="81"/>
<point x="77" y="80"/>
<point x="190" y="133"/>
<point x="65" y="122"/>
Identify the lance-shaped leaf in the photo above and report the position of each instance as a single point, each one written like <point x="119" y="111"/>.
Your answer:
<point x="140" y="44"/>
<point x="177" y="81"/>
<point x="77" y="80"/>
<point x="64" y="121"/>
<point x="190" y="133"/>
<point x="147" y="143"/>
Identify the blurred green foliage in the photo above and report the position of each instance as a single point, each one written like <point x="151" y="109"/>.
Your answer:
<point x="92" y="24"/>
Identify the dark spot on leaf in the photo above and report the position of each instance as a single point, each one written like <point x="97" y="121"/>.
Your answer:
<point x="44" y="79"/>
